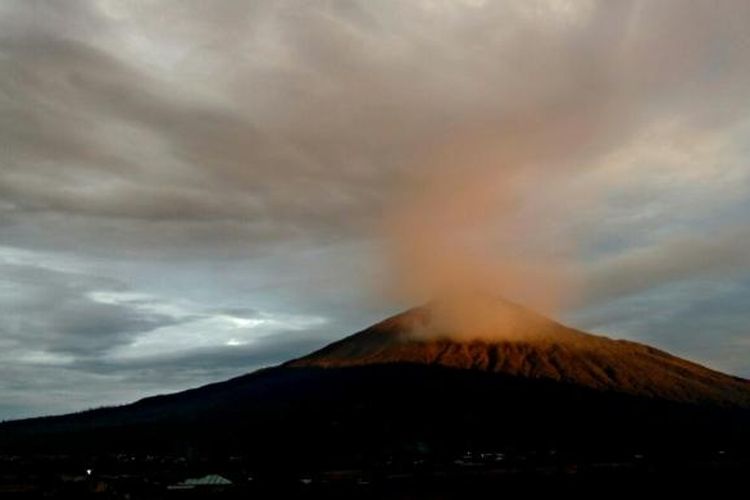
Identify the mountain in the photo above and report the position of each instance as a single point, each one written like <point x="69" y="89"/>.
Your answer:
<point x="433" y="381"/>
<point x="522" y="343"/>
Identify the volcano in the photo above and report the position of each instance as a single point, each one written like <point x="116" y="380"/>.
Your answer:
<point x="512" y="340"/>
<point x="431" y="380"/>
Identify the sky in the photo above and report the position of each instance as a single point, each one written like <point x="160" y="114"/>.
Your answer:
<point x="191" y="190"/>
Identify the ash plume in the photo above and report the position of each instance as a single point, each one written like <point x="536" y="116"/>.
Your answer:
<point x="488" y="206"/>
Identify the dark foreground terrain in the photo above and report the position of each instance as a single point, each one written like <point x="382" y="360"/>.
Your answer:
<point x="478" y="475"/>
<point x="382" y="415"/>
<point x="409" y="430"/>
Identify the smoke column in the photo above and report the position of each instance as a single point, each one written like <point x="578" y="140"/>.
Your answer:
<point x="489" y="206"/>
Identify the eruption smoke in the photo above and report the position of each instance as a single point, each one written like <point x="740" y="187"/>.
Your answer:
<point x="488" y="207"/>
<point x="483" y="223"/>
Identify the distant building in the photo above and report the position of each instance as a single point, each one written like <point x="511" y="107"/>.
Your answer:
<point x="211" y="481"/>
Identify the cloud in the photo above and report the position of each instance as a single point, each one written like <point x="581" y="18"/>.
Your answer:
<point x="86" y="317"/>
<point x="703" y="320"/>
<point x="72" y="339"/>
<point x="266" y="122"/>
<point x="52" y="312"/>
<point x="716" y="255"/>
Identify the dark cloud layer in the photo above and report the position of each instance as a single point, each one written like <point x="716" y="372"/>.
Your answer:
<point x="50" y="310"/>
<point x="212" y="176"/>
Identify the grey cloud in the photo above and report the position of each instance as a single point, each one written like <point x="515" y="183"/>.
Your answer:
<point x="217" y="362"/>
<point x="58" y="338"/>
<point x="50" y="311"/>
<point x="317" y="111"/>
<point x="705" y="321"/>
<point x="712" y="255"/>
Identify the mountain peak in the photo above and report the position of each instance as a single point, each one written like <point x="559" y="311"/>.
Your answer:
<point x="494" y="335"/>
<point x="479" y="319"/>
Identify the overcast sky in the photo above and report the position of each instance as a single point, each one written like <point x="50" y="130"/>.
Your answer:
<point x="190" y="190"/>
